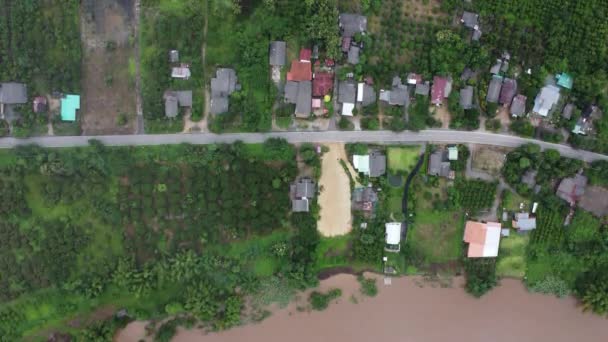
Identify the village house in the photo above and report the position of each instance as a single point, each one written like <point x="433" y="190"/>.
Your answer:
<point x="466" y="97"/>
<point x="301" y="192"/>
<point x="545" y="101"/>
<point x="40" y="104"/>
<point x="471" y="21"/>
<point x="494" y="89"/>
<point x="572" y="188"/>
<point x="175" y="99"/>
<point x="439" y="165"/>
<point x="523" y="222"/>
<point x="347" y="96"/>
<point x="483" y="239"/>
<point x="452" y="153"/>
<point x="277" y="59"/>
<point x="584" y="124"/>
<point x="222" y="86"/>
<point x="507" y="92"/>
<point x="568" y="111"/>
<point x="372" y="164"/>
<point x="423" y="89"/>
<point x="366" y="95"/>
<point x="12" y="93"/>
<point x="393" y="237"/>
<point x="322" y="87"/>
<point x="298" y="89"/>
<point x="398" y="95"/>
<point x="173" y="56"/>
<point x="564" y="80"/>
<point x="442" y="87"/>
<point x="364" y="199"/>
<point x="70" y="104"/>
<point x="181" y="72"/>
<point x="414" y="79"/>
<point x="518" y="106"/>
<point x="350" y="25"/>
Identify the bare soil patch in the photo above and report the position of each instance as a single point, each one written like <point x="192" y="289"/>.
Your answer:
<point x="108" y="80"/>
<point x="489" y="159"/>
<point x="442" y="114"/>
<point x="335" y="195"/>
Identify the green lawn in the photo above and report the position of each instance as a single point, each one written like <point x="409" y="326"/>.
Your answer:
<point x="437" y="236"/>
<point x="512" y="200"/>
<point x="402" y="159"/>
<point x="512" y="255"/>
<point x="333" y="251"/>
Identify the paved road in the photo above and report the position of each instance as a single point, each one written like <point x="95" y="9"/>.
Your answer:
<point x="436" y="135"/>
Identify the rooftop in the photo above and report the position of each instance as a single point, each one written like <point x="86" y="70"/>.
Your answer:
<point x="572" y="188"/>
<point x="508" y="91"/>
<point x="300" y="71"/>
<point x="494" y="89"/>
<point x="518" y="106"/>
<point x="69" y="105"/>
<point x="466" y="97"/>
<point x="470" y="20"/>
<point x="347" y="92"/>
<point x="546" y="100"/>
<point x="564" y="80"/>
<point x="277" y="53"/>
<point x="438" y="89"/>
<point x="13" y="93"/>
<point x="483" y="239"/>
<point x="322" y="83"/>
<point x="351" y="24"/>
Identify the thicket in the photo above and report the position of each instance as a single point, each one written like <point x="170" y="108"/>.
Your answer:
<point x="368" y="286"/>
<point x="320" y="301"/>
<point x="480" y="275"/>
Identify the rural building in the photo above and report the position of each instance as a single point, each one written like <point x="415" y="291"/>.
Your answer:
<point x="372" y="164"/>
<point x="572" y="188"/>
<point x="173" y="56"/>
<point x="181" y="72"/>
<point x="393" y="236"/>
<point x="508" y="91"/>
<point x="523" y="222"/>
<point x="352" y="56"/>
<point x="568" y="110"/>
<point x="583" y="126"/>
<point x="222" y="85"/>
<point x="441" y="89"/>
<point x="414" y="79"/>
<point x="322" y="84"/>
<point x="595" y="200"/>
<point x="300" y="71"/>
<point x="347" y="96"/>
<point x="398" y="95"/>
<point x="40" y="104"/>
<point x="494" y="89"/>
<point x="546" y="100"/>
<point x="518" y="106"/>
<point x="564" y="80"/>
<point x="423" y="89"/>
<point x="12" y="93"/>
<point x="299" y="93"/>
<point x="483" y="239"/>
<point x="351" y="24"/>
<point x="495" y="69"/>
<point x="366" y="95"/>
<point x="439" y="165"/>
<point x="301" y="192"/>
<point x="277" y="53"/>
<point x="452" y="153"/>
<point x="364" y="199"/>
<point x="69" y="105"/>
<point x="466" y="97"/>
<point x="175" y="99"/>
<point x="470" y="20"/>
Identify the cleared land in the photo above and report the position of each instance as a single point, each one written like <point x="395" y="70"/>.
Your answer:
<point x="488" y="159"/>
<point x="512" y="256"/>
<point x="437" y="236"/>
<point x="402" y="159"/>
<point x="335" y="195"/>
<point x="108" y="105"/>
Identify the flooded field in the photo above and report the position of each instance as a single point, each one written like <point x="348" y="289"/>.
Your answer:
<point x="412" y="309"/>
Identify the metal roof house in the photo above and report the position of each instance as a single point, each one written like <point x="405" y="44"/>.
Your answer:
<point x="523" y="222"/>
<point x="470" y="20"/>
<point x="300" y="192"/>
<point x="423" y="88"/>
<point x="173" y="56"/>
<point x="568" y="110"/>
<point x="398" y="95"/>
<point x="572" y="188"/>
<point x="372" y="164"/>
<point x="439" y="166"/>
<point x="364" y="199"/>
<point x="13" y="93"/>
<point x="351" y="24"/>
<point x="564" y="80"/>
<point x="277" y="53"/>
<point x="466" y="97"/>
<point x="546" y="100"/>
<point x="483" y="239"/>
<point x="347" y="96"/>
<point x="508" y="91"/>
<point x="393" y="236"/>
<point x="173" y="99"/>
<point x="438" y="91"/>
<point x="494" y="89"/>
<point x="224" y="84"/>
<point x="300" y="94"/>
<point x="366" y="94"/>
<point x="353" y="55"/>
<point x="518" y="106"/>
<point x="69" y="105"/>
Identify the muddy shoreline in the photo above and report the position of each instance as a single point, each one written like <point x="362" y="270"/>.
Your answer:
<point x="415" y="309"/>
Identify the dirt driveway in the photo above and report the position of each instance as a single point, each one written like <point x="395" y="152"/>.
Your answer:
<point x="108" y="67"/>
<point x="335" y="196"/>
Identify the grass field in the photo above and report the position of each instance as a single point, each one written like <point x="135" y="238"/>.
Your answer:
<point x="437" y="236"/>
<point x="402" y="159"/>
<point x="512" y="256"/>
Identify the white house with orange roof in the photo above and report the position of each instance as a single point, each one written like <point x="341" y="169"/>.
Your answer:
<point x="483" y="239"/>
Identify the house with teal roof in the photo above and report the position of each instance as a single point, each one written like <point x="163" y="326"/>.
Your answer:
<point x="564" y="80"/>
<point x="69" y="105"/>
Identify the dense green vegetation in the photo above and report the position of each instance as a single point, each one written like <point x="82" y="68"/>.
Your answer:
<point x="473" y="195"/>
<point x="320" y="301"/>
<point x="157" y="230"/>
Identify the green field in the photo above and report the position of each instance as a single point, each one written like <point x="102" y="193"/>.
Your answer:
<point x="402" y="159"/>
<point x="437" y="236"/>
<point x="512" y="255"/>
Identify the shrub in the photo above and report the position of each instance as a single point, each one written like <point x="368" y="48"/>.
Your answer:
<point x="551" y="285"/>
<point x="368" y="286"/>
<point x="320" y="301"/>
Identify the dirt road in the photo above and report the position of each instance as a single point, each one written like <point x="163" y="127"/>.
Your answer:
<point x="335" y="196"/>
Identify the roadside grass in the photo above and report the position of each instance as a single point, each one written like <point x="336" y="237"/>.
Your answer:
<point x="284" y="122"/>
<point x="437" y="236"/>
<point x="402" y="159"/>
<point x="512" y="256"/>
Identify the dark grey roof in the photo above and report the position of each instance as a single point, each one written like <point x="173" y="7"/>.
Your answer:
<point x="305" y="188"/>
<point x="304" y="99"/>
<point x="438" y="166"/>
<point x="277" y="53"/>
<point x="350" y="24"/>
<point x="476" y="35"/>
<point x="399" y="97"/>
<point x="225" y="82"/>
<point x="508" y="91"/>
<point x="495" y="69"/>
<point x="291" y="92"/>
<point x="466" y="97"/>
<point x="397" y="82"/>
<point x="570" y="189"/>
<point x="518" y="106"/>
<point x="366" y="194"/>
<point x="369" y="95"/>
<point x="353" y="55"/>
<point x="568" y="110"/>
<point x="494" y="89"/>
<point x="423" y="88"/>
<point x="377" y="164"/>
<point x="218" y="105"/>
<point x="184" y="97"/>
<point x="13" y="93"/>
<point x="347" y="92"/>
<point x="467" y="74"/>
<point x="470" y="20"/>
<point x="171" y="109"/>
<point x="299" y="205"/>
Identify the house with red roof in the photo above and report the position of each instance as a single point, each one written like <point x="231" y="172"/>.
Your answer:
<point x="441" y="89"/>
<point x="483" y="239"/>
<point x="305" y="55"/>
<point x="322" y="83"/>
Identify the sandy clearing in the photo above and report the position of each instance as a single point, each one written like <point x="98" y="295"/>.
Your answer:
<point x="334" y="200"/>
<point x="442" y="114"/>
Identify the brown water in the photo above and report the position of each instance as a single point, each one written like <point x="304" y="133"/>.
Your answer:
<point x="413" y="310"/>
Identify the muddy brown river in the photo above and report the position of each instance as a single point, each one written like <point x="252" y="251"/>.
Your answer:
<point x="411" y="309"/>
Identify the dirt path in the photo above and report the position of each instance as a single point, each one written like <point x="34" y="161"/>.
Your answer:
<point x="335" y="196"/>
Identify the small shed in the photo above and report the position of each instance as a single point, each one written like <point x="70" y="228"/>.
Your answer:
<point x="173" y="56"/>
<point x="69" y="105"/>
<point x="564" y="80"/>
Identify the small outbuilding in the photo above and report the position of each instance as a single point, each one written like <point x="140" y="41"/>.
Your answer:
<point x="393" y="236"/>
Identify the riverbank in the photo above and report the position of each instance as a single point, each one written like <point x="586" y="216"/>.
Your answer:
<point x="412" y="309"/>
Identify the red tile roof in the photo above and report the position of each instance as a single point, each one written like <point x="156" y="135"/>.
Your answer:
<point x="300" y="71"/>
<point x="322" y="84"/>
<point x="305" y="54"/>
<point x="329" y="62"/>
<point x="438" y="90"/>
